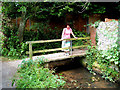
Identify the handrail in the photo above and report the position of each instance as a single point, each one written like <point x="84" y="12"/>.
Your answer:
<point x="56" y="49"/>
<point x="30" y="52"/>
<point x="54" y="40"/>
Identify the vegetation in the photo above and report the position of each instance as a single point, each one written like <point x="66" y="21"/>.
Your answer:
<point x="32" y="74"/>
<point x="45" y="10"/>
<point x="80" y="34"/>
<point x="108" y="62"/>
<point x="106" y="57"/>
<point x="10" y="44"/>
<point x="13" y="44"/>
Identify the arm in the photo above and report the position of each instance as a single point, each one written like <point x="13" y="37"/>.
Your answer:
<point x="73" y="34"/>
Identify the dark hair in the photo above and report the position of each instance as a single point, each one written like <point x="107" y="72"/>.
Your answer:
<point x="67" y="24"/>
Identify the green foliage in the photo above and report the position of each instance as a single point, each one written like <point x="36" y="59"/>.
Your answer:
<point x="80" y="34"/>
<point x="32" y="74"/>
<point x="40" y="11"/>
<point x="91" y="53"/>
<point x="95" y="25"/>
<point x="1" y="39"/>
<point x="12" y="48"/>
<point x="45" y="10"/>
<point x="43" y="32"/>
<point x="23" y="9"/>
<point x="10" y="45"/>
<point x="39" y="31"/>
<point x="108" y="62"/>
<point x="96" y="38"/>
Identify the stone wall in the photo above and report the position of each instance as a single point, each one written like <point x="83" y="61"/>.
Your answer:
<point x="107" y="33"/>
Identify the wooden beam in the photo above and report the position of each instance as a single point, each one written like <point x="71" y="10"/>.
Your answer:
<point x="54" y="40"/>
<point x="64" y="57"/>
<point x="30" y="50"/>
<point x="57" y="49"/>
<point x="47" y="50"/>
<point x="60" y="56"/>
<point x="74" y="47"/>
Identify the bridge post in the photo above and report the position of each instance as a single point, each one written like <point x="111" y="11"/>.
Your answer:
<point x="71" y="47"/>
<point x="30" y="50"/>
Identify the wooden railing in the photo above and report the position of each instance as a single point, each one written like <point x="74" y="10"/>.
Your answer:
<point x="30" y="52"/>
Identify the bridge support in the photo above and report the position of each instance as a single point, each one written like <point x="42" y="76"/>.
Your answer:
<point x="30" y="50"/>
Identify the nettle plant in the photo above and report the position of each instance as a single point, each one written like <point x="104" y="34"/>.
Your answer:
<point x="106" y="53"/>
<point x="32" y="74"/>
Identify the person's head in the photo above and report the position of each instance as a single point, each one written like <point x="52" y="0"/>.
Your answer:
<point x="68" y="26"/>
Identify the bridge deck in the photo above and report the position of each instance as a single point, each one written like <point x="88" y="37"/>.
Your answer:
<point x="61" y="55"/>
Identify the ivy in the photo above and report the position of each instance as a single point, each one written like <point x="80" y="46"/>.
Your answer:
<point x="107" y="63"/>
<point x="10" y="44"/>
<point x="106" y="53"/>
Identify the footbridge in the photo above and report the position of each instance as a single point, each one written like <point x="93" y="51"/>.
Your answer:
<point x="75" y="51"/>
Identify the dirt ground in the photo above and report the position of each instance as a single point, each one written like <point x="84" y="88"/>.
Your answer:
<point x="9" y="68"/>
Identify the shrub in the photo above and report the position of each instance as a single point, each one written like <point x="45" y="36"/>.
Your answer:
<point x="32" y="74"/>
<point x="42" y="31"/>
<point x="106" y="54"/>
<point x="107" y="61"/>
<point x="10" y="43"/>
<point x="80" y="34"/>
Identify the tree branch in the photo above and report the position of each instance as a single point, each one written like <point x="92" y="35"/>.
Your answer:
<point x="84" y="8"/>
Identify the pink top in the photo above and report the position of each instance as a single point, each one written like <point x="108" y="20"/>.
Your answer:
<point x="66" y="33"/>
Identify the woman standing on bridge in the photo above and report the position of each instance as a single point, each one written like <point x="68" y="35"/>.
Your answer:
<point x="66" y="35"/>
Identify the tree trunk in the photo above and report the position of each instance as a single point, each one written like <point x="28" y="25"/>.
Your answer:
<point x="22" y="26"/>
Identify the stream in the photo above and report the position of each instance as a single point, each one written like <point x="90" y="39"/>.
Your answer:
<point x="77" y="76"/>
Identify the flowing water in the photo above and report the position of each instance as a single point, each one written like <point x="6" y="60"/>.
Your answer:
<point x="78" y="76"/>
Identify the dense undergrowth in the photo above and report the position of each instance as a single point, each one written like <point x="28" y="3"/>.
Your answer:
<point x="108" y="62"/>
<point x="33" y="74"/>
<point x="106" y="55"/>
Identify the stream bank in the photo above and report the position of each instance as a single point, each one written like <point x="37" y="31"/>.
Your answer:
<point x="77" y="76"/>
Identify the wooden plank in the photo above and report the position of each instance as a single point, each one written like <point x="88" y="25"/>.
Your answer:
<point x="54" y="40"/>
<point x="57" y="49"/>
<point x="75" y="47"/>
<point x="30" y="50"/>
<point x="65" y="57"/>
<point x="47" y="50"/>
<point x="60" y="56"/>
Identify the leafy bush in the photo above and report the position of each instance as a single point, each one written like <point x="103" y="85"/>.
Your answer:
<point x="42" y="31"/>
<point x="107" y="61"/>
<point x="80" y="34"/>
<point x="1" y="39"/>
<point x="10" y="44"/>
<point x="12" y="48"/>
<point x="106" y="54"/>
<point x="32" y="74"/>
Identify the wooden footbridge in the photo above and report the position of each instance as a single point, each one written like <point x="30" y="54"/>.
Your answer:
<point x="75" y="50"/>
